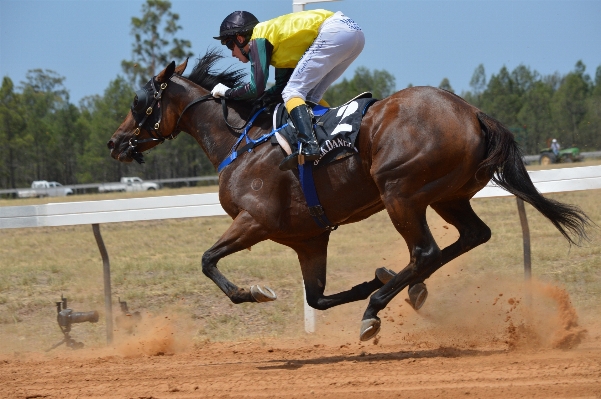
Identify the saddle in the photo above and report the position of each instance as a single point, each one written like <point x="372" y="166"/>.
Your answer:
<point x="336" y="129"/>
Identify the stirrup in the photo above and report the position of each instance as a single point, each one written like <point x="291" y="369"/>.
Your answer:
<point x="290" y="162"/>
<point x="310" y="154"/>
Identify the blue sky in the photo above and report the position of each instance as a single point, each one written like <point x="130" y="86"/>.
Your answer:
<point x="419" y="42"/>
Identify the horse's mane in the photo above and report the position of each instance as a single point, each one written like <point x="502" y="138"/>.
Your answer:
<point x="205" y="76"/>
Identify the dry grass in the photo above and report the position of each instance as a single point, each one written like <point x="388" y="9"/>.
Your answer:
<point x="156" y="269"/>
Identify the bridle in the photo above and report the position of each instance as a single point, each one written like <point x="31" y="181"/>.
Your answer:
<point x="143" y="111"/>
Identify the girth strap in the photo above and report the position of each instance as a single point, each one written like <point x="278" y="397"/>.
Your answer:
<point x="315" y="209"/>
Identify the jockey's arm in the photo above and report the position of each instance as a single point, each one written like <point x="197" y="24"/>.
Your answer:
<point x="282" y="75"/>
<point x="260" y="57"/>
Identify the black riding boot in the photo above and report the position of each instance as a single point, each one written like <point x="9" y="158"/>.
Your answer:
<point x="309" y="147"/>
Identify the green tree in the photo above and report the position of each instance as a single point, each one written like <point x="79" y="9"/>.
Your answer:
<point x="100" y="117"/>
<point x="155" y="42"/>
<point x="478" y="85"/>
<point x="502" y="98"/>
<point x="43" y="95"/>
<point x="446" y="85"/>
<point x="570" y="104"/>
<point x="69" y="141"/>
<point x="12" y="134"/>
<point x="535" y="117"/>
<point x="379" y="82"/>
<point x="590" y="127"/>
<point x="524" y="78"/>
<point x="478" y="80"/>
<point x="597" y="88"/>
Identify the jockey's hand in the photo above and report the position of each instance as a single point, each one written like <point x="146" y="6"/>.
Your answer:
<point x="219" y="90"/>
<point x="268" y="99"/>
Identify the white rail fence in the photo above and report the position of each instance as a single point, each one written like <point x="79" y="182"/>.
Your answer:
<point x="204" y="180"/>
<point x="200" y="205"/>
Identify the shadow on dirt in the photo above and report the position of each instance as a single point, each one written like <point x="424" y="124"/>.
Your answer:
<point x="378" y="357"/>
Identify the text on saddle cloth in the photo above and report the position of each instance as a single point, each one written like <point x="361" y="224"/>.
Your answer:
<point x="336" y="129"/>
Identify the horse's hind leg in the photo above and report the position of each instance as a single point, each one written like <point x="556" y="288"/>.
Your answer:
<point x="409" y="218"/>
<point x="472" y="230"/>
<point x="312" y="255"/>
<point x="243" y="233"/>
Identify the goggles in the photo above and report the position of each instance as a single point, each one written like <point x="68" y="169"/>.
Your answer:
<point x="229" y="43"/>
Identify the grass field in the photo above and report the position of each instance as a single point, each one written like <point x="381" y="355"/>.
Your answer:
<point x="156" y="269"/>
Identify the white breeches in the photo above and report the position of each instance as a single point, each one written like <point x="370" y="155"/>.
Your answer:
<point x="338" y="43"/>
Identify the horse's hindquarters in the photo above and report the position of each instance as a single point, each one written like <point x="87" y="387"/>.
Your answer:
<point x="423" y="142"/>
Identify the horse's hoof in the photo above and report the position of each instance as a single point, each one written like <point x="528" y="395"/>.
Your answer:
<point x="369" y="329"/>
<point x="262" y="294"/>
<point x="384" y="275"/>
<point x="417" y="295"/>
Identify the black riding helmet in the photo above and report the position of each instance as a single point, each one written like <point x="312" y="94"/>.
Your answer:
<point x="237" y="23"/>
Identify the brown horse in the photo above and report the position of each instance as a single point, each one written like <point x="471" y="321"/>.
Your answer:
<point x="417" y="148"/>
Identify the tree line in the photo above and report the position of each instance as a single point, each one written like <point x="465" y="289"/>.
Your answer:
<point x="539" y="108"/>
<point x="46" y="137"/>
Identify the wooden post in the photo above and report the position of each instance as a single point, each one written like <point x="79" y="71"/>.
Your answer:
<point x="526" y="239"/>
<point x="106" y="266"/>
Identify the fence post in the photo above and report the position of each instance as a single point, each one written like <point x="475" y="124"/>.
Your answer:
<point x="525" y="238"/>
<point x="309" y="314"/>
<point x="106" y="266"/>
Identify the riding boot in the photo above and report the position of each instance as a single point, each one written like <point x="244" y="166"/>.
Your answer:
<point x="304" y="126"/>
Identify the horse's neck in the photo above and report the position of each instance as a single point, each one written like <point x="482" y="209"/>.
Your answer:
<point x="205" y="123"/>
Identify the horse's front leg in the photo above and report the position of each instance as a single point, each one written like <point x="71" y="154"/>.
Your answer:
<point x="312" y="255"/>
<point x="244" y="232"/>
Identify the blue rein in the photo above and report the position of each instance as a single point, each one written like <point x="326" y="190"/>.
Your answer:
<point x="250" y="143"/>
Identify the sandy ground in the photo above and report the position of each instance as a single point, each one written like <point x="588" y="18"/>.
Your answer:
<point x="276" y="369"/>
<point x="492" y="346"/>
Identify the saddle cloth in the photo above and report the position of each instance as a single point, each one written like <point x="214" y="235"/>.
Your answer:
<point x="336" y="129"/>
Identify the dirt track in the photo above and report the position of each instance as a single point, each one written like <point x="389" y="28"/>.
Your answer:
<point x="298" y="369"/>
<point x="506" y="351"/>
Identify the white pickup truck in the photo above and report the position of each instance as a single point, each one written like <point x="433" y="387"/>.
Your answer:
<point x="128" y="184"/>
<point x="43" y="188"/>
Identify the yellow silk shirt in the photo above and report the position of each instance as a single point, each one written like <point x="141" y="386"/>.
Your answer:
<point x="291" y="35"/>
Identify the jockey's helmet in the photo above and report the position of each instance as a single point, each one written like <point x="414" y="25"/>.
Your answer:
<point x="237" y="23"/>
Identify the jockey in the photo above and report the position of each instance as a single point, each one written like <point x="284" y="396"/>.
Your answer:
<point x="309" y="50"/>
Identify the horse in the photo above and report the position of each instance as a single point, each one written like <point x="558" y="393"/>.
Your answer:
<point x="419" y="147"/>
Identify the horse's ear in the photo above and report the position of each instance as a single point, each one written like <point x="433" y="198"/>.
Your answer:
<point x="166" y="73"/>
<point x="179" y="70"/>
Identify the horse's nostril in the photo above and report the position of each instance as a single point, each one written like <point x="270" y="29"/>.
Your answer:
<point x="110" y="144"/>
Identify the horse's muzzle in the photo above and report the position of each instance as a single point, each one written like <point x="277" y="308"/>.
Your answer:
<point x="120" y="153"/>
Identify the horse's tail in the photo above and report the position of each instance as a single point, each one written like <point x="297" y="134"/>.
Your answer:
<point x="504" y="162"/>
